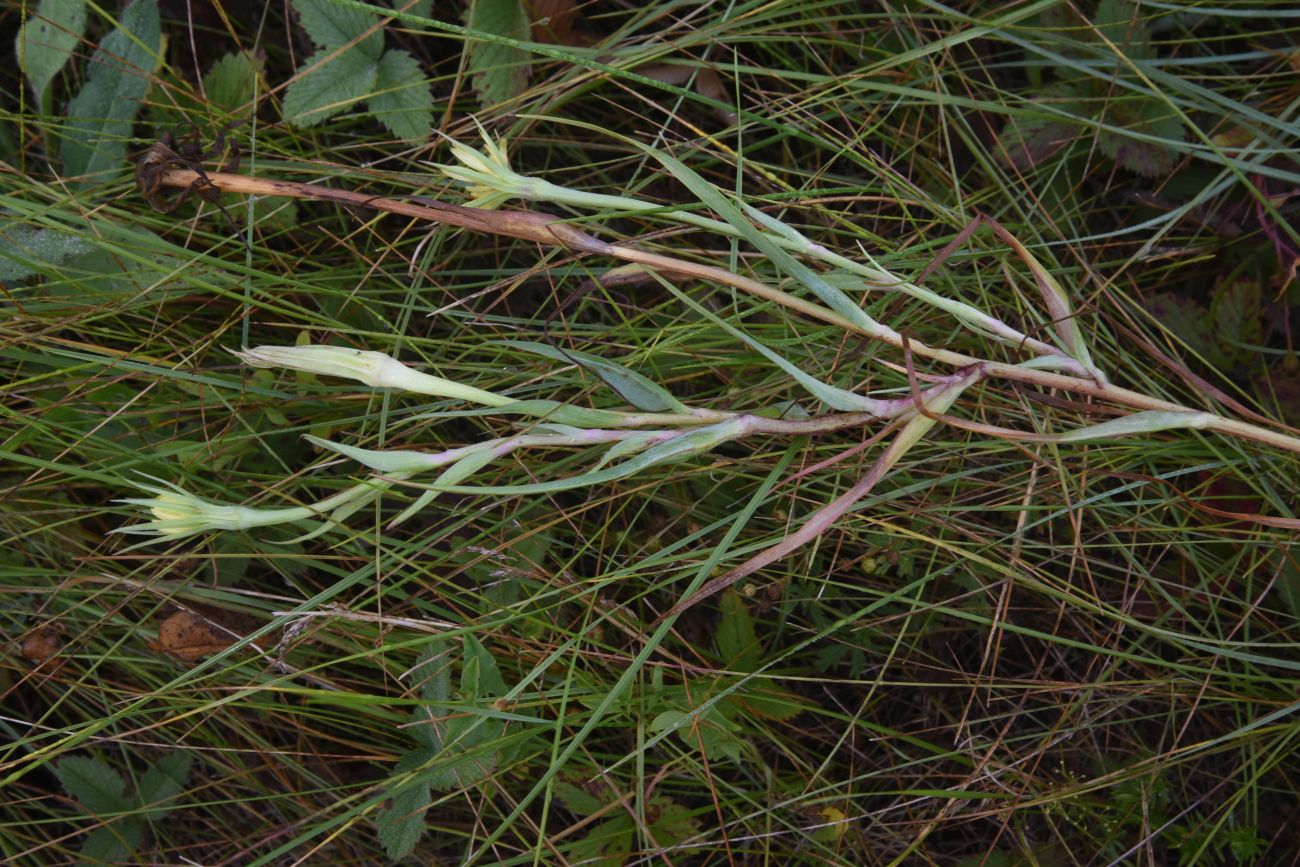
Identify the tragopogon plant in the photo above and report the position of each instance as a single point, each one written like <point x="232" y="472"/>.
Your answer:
<point x="661" y="428"/>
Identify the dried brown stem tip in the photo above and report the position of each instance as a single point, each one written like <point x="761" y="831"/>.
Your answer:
<point x="158" y="168"/>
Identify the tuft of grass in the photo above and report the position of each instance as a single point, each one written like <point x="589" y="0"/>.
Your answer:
<point x="1009" y="650"/>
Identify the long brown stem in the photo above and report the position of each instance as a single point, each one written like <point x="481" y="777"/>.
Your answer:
<point x="556" y="232"/>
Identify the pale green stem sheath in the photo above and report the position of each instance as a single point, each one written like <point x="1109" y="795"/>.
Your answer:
<point x="409" y="461"/>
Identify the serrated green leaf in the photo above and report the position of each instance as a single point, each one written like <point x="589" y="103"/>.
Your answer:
<point x="636" y="389"/>
<point x="231" y="83"/>
<point x="463" y="734"/>
<point x="669" y="719"/>
<point x="737" y="642"/>
<point x="480" y="678"/>
<point x="99" y="116"/>
<point x="324" y="91"/>
<point x="401" y="824"/>
<point x="1236" y="312"/>
<point x="771" y="703"/>
<point x="99" y="788"/>
<point x="1146" y="116"/>
<point x="402" y="100"/>
<point x="466" y="762"/>
<point x="1188" y="320"/>
<point x="500" y="71"/>
<point x="1025" y="142"/>
<point x="331" y="24"/>
<point x="675" y="823"/>
<point x="714" y="734"/>
<point x="605" y="845"/>
<point x="432" y="677"/>
<point x="113" y="844"/>
<point x="46" y="41"/>
<point x="578" y="801"/>
<point x="420" y="9"/>
<point x="165" y="779"/>
<point x="414" y="760"/>
<point x="1121" y="23"/>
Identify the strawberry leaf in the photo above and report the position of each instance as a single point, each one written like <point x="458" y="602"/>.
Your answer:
<point x="333" y="87"/>
<point x="402" y="100"/>
<point x="331" y="24"/>
<point x="500" y="71"/>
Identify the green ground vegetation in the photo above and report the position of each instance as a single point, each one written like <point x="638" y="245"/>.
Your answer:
<point x="891" y="464"/>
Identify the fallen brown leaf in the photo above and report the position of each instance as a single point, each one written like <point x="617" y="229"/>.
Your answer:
<point x="189" y="636"/>
<point x="41" y="644"/>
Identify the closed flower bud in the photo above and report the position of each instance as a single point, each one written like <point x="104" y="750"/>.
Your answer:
<point x="374" y="369"/>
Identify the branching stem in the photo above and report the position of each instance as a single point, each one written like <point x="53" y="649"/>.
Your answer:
<point x="554" y="231"/>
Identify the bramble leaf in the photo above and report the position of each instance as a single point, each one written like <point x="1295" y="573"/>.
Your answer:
<point x="113" y="844"/>
<point x="326" y="90"/>
<point x="331" y="24"/>
<point x="579" y="801"/>
<point x="500" y="71"/>
<point x="401" y="824"/>
<point x="99" y="788"/>
<point x="1027" y="140"/>
<point x="737" y="642"/>
<point x="165" y="779"/>
<point x="1120" y="22"/>
<point x="1235" y="313"/>
<point x="1146" y="116"/>
<point x="402" y="100"/>
<point x="231" y="83"/>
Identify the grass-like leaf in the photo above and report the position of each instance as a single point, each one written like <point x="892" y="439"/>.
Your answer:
<point x="638" y="390"/>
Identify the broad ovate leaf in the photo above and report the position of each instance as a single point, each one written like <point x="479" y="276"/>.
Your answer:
<point x="46" y="41"/>
<point x="99" y="116"/>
